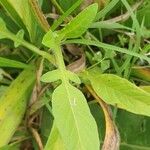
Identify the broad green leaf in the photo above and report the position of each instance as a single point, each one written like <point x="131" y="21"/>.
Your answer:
<point x="4" y="62"/>
<point x="13" y="104"/>
<point x="118" y="91"/>
<point x="73" y="119"/>
<point x="51" y="76"/>
<point x="54" y="141"/>
<point x="80" y="23"/>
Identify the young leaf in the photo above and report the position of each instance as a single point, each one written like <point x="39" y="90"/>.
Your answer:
<point x="80" y="23"/>
<point x="19" y="35"/>
<point x="73" y="119"/>
<point x="118" y="91"/>
<point x="13" y="104"/>
<point x="73" y="77"/>
<point x="55" y="75"/>
<point x="49" y="39"/>
<point x="51" y="76"/>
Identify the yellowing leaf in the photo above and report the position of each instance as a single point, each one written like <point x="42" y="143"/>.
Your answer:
<point x="13" y="104"/>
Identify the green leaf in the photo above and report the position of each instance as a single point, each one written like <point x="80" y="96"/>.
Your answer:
<point x="106" y="9"/>
<point x="73" y="77"/>
<point x="134" y="129"/>
<point x="55" y="75"/>
<point x="49" y="39"/>
<point x="51" y="76"/>
<point x="2" y="28"/>
<point x="118" y="91"/>
<point x="105" y="65"/>
<point x="145" y="88"/>
<point x="24" y="16"/>
<point x="15" y="146"/>
<point x="80" y="23"/>
<point x="4" y="62"/>
<point x="109" y="25"/>
<point x="73" y="119"/>
<point x="65" y="4"/>
<point x="2" y="25"/>
<point x="13" y="104"/>
<point x="65" y="15"/>
<point x="19" y="35"/>
<point x="107" y="47"/>
<point x="54" y="141"/>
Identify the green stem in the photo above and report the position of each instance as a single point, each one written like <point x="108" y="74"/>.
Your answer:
<point x="60" y="62"/>
<point x="31" y="47"/>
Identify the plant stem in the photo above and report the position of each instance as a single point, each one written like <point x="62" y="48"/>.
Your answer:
<point x="31" y="47"/>
<point x="60" y="62"/>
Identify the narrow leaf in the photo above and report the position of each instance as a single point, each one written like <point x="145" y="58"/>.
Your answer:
<point x="4" y="62"/>
<point x="107" y="47"/>
<point x="24" y="16"/>
<point x="80" y="23"/>
<point x="2" y="28"/>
